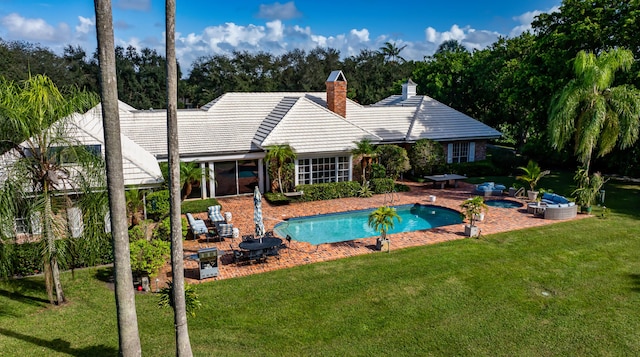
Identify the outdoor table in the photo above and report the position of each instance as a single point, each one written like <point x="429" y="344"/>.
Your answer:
<point x="537" y="208"/>
<point x="257" y="247"/>
<point x="452" y="179"/>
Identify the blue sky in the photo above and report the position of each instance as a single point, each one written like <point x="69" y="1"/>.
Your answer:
<point x="221" y="26"/>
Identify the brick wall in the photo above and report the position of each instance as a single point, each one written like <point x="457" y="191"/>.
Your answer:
<point x="337" y="97"/>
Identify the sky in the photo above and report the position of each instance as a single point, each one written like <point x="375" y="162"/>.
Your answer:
<point x="221" y="26"/>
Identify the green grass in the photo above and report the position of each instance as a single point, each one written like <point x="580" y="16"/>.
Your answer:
<point x="571" y="288"/>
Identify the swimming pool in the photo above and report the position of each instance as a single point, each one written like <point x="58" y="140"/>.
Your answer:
<point x="503" y="203"/>
<point x="340" y="227"/>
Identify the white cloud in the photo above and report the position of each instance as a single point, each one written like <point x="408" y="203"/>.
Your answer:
<point x="526" y="19"/>
<point x="86" y="25"/>
<point x="277" y="11"/>
<point x="21" y="28"/>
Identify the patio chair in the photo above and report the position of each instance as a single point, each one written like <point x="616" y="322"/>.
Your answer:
<point x="224" y="230"/>
<point x="215" y="216"/>
<point x="197" y="226"/>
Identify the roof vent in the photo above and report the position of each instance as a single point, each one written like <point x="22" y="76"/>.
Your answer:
<point x="408" y="89"/>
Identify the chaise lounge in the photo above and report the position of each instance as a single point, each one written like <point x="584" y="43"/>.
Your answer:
<point x="488" y="189"/>
<point x="197" y="226"/>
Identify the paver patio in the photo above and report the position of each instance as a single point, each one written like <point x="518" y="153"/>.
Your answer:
<point x="299" y="253"/>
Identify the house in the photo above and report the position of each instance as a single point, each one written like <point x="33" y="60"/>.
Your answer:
<point x="228" y="135"/>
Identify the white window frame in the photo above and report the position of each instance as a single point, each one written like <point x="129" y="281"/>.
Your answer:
<point x="456" y="154"/>
<point x="341" y="169"/>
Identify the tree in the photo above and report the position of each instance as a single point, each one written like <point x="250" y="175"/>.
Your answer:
<point x="531" y="174"/>
<point x="382" y="220"/>
<point x="183" y="345"/>
<point x="278" y="156"/>
<point x="365" y="151"/>
<point x="394" y="159"/>
<point x="128" y="337"/>
<point x="135" y="204"/>
<point x="45" y="161"/>
<point x="392" y="52"/>
<point x="426" y="156"/>
<point x="592" y="112"/>
<point x="190" y="175"/>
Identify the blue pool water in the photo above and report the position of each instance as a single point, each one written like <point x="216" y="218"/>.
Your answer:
<point x="340" y="227"/>
<point x="503" y="203"/>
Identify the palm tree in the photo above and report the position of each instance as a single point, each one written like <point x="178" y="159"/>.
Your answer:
<point x="183" y="345"/>
<point x="382" y="220"/>
<point x="590" y="112"/>
<point x="135" y="204"/>
<point x="366" y="152"/>
<point x="532" y="173"/>
<point x="278" y="156"/>
<point x="128" y="336"/>
<point x="190" y="175"/>
<point x="44" y="161"/>
<point x="392" y="52"/>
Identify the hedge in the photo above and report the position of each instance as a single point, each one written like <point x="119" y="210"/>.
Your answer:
<point x="382" y="185"/>
<point x="474" y="169"/>
<point x="328" y="191"/>
<point x="158" y="205"/>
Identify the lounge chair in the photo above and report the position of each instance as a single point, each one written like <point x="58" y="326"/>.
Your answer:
<point x="215" y="216"/>
<point x="488" y="189"/>
<point x="197" y="226"/>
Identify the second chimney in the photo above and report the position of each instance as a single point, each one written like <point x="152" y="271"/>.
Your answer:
<point x="337" y="93"/>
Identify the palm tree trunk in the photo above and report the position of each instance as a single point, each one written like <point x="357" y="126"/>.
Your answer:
<point x="52" y="251"/>
<point x="280" y="180"/>
<point x="183" y="345"/>
<point x="129" y="339"/>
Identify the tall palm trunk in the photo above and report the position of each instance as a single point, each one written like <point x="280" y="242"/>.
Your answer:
<point x="183" y="345"/>
<point x="129" y="339"/>
<point x="53" y="283"/>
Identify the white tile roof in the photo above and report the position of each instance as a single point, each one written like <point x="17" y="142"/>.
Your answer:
<point x="238" y="123"/>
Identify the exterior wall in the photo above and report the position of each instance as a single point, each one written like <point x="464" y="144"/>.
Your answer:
<point x="481" y="150"/>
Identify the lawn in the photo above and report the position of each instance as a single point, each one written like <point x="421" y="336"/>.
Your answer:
<point x="571" y="288"/>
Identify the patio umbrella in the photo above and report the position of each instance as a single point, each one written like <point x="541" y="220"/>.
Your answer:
<point x="257" y="212"/>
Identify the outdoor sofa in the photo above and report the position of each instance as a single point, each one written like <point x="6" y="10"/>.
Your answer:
<point x="488" y="189"/>
<point x="558" y="207"/>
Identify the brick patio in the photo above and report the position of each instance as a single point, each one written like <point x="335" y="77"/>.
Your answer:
<point x="496" y="220"/>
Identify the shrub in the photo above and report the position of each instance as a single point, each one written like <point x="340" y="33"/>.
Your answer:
<point x="382" y="185"/>
<point x="147" y="257"/>
<point x="426" y="157"/>
<point x="473" y="169"/>
<point x="195" y="206"/>
<point x="192" y="300"/>
<point x="378" y="171"/>
<point x="394" y="159"/>
<point x="328" y="191"/>
<point x="158" y="205"/>
<point x="276" y="198"/>
<point x="140" y="230"/>
<point x="163" y="229"/>
<point x="504" y="160"/>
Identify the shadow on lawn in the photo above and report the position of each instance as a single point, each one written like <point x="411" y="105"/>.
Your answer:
<point x="24" y="291"/>
<point x="635" y="282"/>
<point x="60" y="345"/>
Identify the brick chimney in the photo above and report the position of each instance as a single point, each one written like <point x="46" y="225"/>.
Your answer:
<point x="337" y="93"/>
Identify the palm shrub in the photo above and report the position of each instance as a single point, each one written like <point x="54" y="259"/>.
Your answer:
<point x="382" y="220"/>
<point x="191" y="298"/>
<point x="531" y="174"/>
<point x="279" y="159"/>
<point x="588" y="187"/>
<point x="472" y="208"/>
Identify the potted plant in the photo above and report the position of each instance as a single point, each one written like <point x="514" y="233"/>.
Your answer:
<point x="531" y="175"/>
<point x="588" y="188"/>
<point x="472" y="208"/>
<point x="382" y="221"/>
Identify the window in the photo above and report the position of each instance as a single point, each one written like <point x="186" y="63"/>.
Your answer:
<point x="323" y="169"/>
<point x="462" y="151"/>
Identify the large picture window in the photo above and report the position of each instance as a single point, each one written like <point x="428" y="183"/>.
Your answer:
<point x="323" y="169"/>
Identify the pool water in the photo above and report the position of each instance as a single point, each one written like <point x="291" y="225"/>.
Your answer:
<point x="503" y="203"/>
<point x="345" y="226"/>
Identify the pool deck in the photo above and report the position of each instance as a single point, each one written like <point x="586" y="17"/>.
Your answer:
<point x="300" y="253"/>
